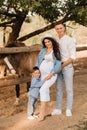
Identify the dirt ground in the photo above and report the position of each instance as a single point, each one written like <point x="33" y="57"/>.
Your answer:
<point x="15" y="117"/>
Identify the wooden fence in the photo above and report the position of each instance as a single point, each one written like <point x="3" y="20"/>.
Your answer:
<point x="14" y="79"/>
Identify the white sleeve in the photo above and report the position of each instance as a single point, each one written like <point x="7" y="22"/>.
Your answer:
<point x="72" y="48"/>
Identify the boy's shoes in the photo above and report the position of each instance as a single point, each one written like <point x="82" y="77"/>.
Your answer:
<point x="31" y="117"/>
<point x="56" y="112"/>
<point x="68" y="112"/>
<point x="35" y="116"/>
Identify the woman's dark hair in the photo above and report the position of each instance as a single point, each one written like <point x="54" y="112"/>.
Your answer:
<point x="55" y="47"/>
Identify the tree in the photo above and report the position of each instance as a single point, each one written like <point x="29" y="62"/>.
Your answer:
<point x="14" y="12"/>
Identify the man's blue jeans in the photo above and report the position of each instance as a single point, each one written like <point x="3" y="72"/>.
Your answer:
<point x="67" y="77"/>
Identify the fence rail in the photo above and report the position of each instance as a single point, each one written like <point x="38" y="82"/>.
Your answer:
<point x="14" y="50"/>
<point x="12" y="80"/>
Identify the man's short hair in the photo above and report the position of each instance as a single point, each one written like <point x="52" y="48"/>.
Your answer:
<point x="61" y="23"/>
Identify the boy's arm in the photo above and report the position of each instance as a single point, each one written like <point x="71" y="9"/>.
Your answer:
<point x="37" y="83"/>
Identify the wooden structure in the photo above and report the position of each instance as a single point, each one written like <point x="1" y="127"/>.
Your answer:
<point x="14" y="79"/>
<point x="14" y="50"/>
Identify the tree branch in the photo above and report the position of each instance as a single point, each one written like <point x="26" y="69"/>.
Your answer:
<point x="6" y="23"/>
<point x="9" y="14"/>
<point x="48" y="27"/>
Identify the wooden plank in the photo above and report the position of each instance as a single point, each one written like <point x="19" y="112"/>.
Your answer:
<point x="13" y="81"/>
<point x="13" y="50"/>
<point x="31" y="49"/>
<point x="81" y="47"/>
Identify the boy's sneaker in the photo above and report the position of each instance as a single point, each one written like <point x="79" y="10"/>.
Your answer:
<point x="56" y="112"/>
<point x="31" y="117"/>
<point x="68" y="112"/>
<point x="35" y="116"/>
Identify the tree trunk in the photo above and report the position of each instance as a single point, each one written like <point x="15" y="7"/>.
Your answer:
<point x="16" y="29"/>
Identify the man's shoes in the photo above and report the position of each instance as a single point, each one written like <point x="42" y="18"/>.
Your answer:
<point x="68" y="112"/>
<point x="56" y="112"/>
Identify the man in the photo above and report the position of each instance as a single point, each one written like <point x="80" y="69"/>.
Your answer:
<point x="68" y="55"/>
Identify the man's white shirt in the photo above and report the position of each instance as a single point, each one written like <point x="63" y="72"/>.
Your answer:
<point x="67" y="46"/>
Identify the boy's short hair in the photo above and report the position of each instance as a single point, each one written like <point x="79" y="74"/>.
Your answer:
<point x="35" y="68"/>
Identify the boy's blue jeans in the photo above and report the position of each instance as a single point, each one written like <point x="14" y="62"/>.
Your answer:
<point x="31" y="105"/>
<point x="67" y="77"/>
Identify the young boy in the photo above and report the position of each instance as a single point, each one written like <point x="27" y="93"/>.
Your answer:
<point x="36" y="83"/>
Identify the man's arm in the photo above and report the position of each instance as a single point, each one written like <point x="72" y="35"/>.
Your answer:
<point x="69" y="61"/>
<point x="72" y="52"/>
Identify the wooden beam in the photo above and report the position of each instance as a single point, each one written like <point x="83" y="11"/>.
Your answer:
<point x="31" y="49"/>
<point x="81" y="47"/>
<point x="13" y="81"/>
<point x="13" y="50"/>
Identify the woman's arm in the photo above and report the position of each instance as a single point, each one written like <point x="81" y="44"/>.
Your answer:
<point x="57" y="66"/>
<point x="40" y="57"/>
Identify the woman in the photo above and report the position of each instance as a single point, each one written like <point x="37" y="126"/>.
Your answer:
<point x="49" y="64"/>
